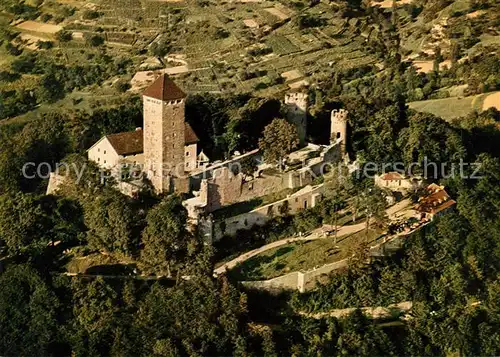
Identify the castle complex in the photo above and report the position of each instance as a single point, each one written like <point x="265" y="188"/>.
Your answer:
<point x="165" y="151"/>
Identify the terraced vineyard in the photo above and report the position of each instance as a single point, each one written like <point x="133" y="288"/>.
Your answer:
<point x="281" y="45"/>
<point x="216" y="41"/>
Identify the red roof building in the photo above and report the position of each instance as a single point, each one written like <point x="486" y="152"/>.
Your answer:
<point x="435" y="203"/>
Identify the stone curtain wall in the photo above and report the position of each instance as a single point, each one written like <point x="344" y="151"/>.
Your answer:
<point x="296" y="280"/>
<point x="208" y="172"/>
<point x="261" y="187"/>
<point x="284" y="282"/>
<point x="308" y="197"/>
<point x="226" y="188"/>
<point x="223" y="187"/>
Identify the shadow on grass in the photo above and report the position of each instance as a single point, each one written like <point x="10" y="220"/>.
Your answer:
<point x="252" y="269"/>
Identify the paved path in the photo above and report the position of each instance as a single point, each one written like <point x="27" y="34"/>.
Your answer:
<point x="392" y="212"/>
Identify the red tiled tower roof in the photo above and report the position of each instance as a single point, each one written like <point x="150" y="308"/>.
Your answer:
<point x="163" y="88"/>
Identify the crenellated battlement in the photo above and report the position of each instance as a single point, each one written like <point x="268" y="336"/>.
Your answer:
<point x="339" y="115"/>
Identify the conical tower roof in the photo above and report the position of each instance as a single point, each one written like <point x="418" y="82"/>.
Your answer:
<point x="163" y="88"/>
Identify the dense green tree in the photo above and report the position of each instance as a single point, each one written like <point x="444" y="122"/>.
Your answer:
<point x="109" y="219"/>
<point x="160" y="48"/>
<point x="208" y="115"/>
<point x="90" y="15"/>
<point x="246" y="124"/>
<point x="94" y="40"/>
<point x="95" y="317"/>
<point x="248" y="166"/>
<point x="278" y="139"/>
<point x="24" y="226"/>
<point x="306" y="221"/>
<point x="50" y="89"/>
<point x="122" y="86"/>
<point x="28" y="314"/>
<point x="381" y="143"/>
<point x="209" y="325"/>
<point x="66" y="216"/>
<point x="165" y="238"/>
<point x="433" y="139"/>
<point x="361" y="338"/>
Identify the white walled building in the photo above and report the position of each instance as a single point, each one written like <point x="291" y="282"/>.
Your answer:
<point x="128" y="148"/>
<point x="112" y="150"/>
<point x="395" y="181"/>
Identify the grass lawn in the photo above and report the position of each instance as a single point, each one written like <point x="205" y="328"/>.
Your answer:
<point x="299" y="256"/>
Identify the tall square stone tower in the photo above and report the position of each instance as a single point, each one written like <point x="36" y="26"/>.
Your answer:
<point x="164" y="130"/>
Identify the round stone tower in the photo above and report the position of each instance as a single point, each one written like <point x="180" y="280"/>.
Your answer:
<point x="338" y="129"/>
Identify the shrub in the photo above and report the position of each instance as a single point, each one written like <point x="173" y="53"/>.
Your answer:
<point x="13" y="50"/>
<point x="221" y="33"/>
<point x="90" y="15"/>
<point x="58" y="19"/>
<point x="64" y="36"/>
<point x="94" y="40"/>
<point x="307" y="21"/>
<point x="122" y="85"/>
<point x="44" y="45"/>
<point x="45" y="17"/>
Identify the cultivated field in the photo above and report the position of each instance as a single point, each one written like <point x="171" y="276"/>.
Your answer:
<point x="236" y="46"/>
<point x="428" y="66"/>
<point x="449" y="108"/>
<point x="279" y="13"/>
<point x="41" y="27"/>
